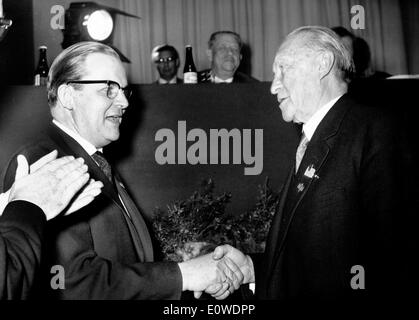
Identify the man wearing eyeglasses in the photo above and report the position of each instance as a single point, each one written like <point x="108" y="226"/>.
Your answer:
<point x="105" y="248"/>
<point x="167" y="62"/>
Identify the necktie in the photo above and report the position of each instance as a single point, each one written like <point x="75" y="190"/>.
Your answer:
<point x="300" y="151"/>
<point x="101" y="161"/>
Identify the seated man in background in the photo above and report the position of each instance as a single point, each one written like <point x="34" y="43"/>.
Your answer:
<point x="224" y="54"/>
<point x="106" y="249"/>
<point x="167" y="63"/>
<point x="24" y="209"/>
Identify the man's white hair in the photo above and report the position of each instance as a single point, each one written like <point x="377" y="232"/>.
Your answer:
<point x="320" y="38"/>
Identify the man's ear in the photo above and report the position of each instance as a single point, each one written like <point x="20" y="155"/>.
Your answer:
<point x="209" y="55"/>
<point x="326" y="61"/>
<point x="65" y="95"/>
<point x="177" y="63"/>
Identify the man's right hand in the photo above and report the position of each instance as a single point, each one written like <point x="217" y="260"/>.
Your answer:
<point x="53" y="183"/>
<point x="221" y="275"/>
<point x="244" y="262"/>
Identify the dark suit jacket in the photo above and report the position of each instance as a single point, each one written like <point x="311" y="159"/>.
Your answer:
<point x="105" y="254"/>
<point x="21" y="231"/>
<point x="339" y="216"/>
<point x="204" y="76"/>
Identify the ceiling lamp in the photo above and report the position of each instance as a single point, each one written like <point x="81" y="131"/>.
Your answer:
<point x="88" y="21"/>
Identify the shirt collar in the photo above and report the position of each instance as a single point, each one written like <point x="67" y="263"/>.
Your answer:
<point x="219" y="80"/>
<point x="311" y="125"/>
<point x="86" y="145"/>
<point x="215" y="79"/>
<point x="172" y="81"/>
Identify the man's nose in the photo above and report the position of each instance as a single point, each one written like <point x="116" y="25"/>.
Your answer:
<point x="121" y="100"/>
<point x="276" y="85"/>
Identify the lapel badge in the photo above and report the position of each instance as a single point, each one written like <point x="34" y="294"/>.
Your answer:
<point x="300" y="187"/>
<point x="311" y="172"/>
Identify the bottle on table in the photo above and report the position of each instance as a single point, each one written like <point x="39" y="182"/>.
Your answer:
<point x="189" y="71"/>
<point x="41" y="72"/>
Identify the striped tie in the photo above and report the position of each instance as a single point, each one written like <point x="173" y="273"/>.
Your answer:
<point x="101" y="161"/>
<point x="300" y="151"/>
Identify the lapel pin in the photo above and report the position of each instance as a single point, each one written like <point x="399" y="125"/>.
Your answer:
<point x="310" y="172"/>
<point x="300" y="187"/>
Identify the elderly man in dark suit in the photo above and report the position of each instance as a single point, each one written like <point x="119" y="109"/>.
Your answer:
<point x="105" y="248"/>
<point x="224" y="54"/>
<point x="332" y="236"/>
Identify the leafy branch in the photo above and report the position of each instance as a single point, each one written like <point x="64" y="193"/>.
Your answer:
<point x="198" y="224"/>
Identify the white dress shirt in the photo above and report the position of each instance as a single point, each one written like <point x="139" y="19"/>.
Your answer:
<point x="86" y="145"/>
<point x="172" y="81"/>
<point x="311" y="125"/>
<point x="215" y="79"/>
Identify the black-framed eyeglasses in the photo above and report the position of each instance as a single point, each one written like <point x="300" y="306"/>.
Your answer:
<point x="113" y="87"/>
<point x="168" y="59"/>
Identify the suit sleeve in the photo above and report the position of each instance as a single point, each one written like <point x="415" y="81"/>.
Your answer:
<point x="381" y="188"/>
<point x="21" y="230"/>
<point x="89" y="276"/>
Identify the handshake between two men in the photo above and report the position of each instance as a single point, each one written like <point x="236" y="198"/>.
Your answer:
<point x="219" y="273"/>
<point x="51" y="183"/>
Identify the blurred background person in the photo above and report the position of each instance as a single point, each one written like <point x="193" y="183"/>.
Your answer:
<point x="167" y="63"/>
<point x="224" y="54"/>
<point x="361" y="55"/>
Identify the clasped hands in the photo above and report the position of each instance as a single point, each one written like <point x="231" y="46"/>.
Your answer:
<point x="219" y="273"/>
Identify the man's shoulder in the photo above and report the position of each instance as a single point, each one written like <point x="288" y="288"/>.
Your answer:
<point x="366" y="120"/>
<point x="36" y="148"/>
<point x="362" y="112"/>
<point x="32" y="150"/>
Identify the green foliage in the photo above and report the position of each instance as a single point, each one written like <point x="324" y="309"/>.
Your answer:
<point x="203" y="218"/>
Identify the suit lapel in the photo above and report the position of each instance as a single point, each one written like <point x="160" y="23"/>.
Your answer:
<point x="136" y="225"/>
<point x="274" y="234"/>
<point x="141" y="235"/>
<point x="69" y="146"/>
<point x="314" y="158"/>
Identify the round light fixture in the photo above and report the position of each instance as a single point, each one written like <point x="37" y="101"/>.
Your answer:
<point x="99" y="25"/>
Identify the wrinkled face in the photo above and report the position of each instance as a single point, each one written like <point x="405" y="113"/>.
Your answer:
<point x="225" y="56"/>
<point x="296" y="81"/>
<point x="167" y="66"/>
<point x="95" y="116"/>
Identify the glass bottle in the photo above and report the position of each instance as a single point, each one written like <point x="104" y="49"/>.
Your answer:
<point x="189" y="71"/>
<point x="41" y="72"/>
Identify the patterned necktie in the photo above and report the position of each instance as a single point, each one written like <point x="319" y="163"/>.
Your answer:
<point x="103" y="164"/>
<point x="300" y="151"/>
